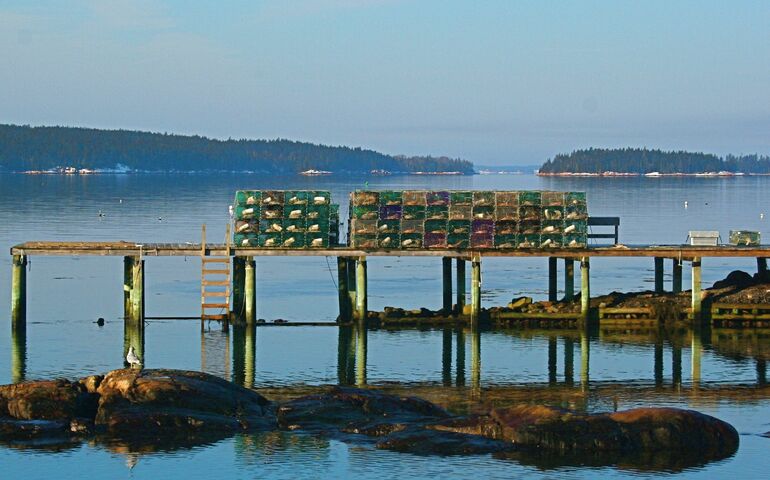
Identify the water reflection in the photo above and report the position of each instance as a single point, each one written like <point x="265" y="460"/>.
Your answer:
<point x="19" y="353"/>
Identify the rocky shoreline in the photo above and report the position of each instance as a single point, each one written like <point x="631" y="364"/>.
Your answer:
<point x="183" y="408"/>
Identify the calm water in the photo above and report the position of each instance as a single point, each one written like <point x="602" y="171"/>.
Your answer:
<point x="710" y="371"/>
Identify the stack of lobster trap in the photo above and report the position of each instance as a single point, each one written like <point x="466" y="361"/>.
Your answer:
<point x="285" y="219"/>
<point x="467" y="219"/>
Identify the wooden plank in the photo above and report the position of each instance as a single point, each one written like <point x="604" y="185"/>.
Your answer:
<point x="215" y="294"/>
<point x="525" y="315"/>
<point x="746" y="306"/>
<point x="215" y="272"/>
<point x="215" y="305"/>
<point x="215" y="260"/>
<point x="613" y="310"/>
<point x="216" y="316"/>
<point x="209" y="283"/>
<point x="740" y="316"/>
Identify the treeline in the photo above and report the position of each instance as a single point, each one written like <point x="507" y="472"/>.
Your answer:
<point x="642" y="160"/>
<point x="41" y="148"/>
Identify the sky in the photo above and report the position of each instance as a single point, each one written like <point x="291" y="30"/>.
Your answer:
<point x="495" y="82"/>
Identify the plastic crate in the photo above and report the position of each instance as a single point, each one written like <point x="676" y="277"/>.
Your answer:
<point x="460" y="212"/>
<point x="414" y="197"/>
<point x="391" y="198"/>
<point x="507" y="199"/>
<point x="437" y="212"/>
<point x="459" y="227"/>
<point x="461" y="197"/>
<point x="437" y="199"/>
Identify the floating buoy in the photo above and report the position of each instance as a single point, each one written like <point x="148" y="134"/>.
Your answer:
<point x="100" y="322"/>
<point x="685" y="204"/>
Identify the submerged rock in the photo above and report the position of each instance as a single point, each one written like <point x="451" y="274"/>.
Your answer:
<point x="353" y="410"/>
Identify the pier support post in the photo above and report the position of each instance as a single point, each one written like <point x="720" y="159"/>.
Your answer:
<point x="250" y="291"/>
<point x="133" y="289"/>
<point x="697" y="297"/>
<point x="460" y="285"/>
<point x="239" y="278"/>
<point x="446" y="275"/>
<point x="676" y="277"/>
<point x="569" y="279"/>
<point x="552" y="273"/>
<point x="19" y="292"/>
<point x="585" y="287"/>
<point x="352" y="287"/>
<point x="762" y="267"/>
<point x="361" y="298"/>
<point x="475" y="290"/>
<point x="342" y="289"/>
<point x="658" y="275"/>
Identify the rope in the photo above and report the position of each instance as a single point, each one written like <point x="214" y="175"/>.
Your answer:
<point x="330" y="272"/>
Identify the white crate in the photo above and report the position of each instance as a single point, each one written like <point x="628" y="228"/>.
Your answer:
<point x="703" y="237"/>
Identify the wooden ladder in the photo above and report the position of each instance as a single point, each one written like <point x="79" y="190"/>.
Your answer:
<point x="219" y="269"/>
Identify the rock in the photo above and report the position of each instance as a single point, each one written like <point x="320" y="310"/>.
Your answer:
<point x="736" y="278"/>
<point x="352" y="410"/>
<point x="46" y="400"/>
<point x="642" y="429"/>
<point x="520" y="302"/>
<point x="12" y="429"/>
<point x="151" y="401"/>
<point x="91" y="383"/>
<point x="434" y="442"/>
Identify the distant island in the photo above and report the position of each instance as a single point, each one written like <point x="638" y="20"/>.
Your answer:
<point x="641" y="161"/>
<point x="71" y="150"/>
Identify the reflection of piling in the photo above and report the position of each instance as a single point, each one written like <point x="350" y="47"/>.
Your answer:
<point x="658" y="363"/>
<point x="239" y="353"/>
<point x="446" y="358"/>
<point x="658" y="274"/>
<point x="676" y="364"/>
<point x="569" y="361"/>
<point x="761" y="372"/>
<point x="250" y="348"/>
<point x="460" y="362"/>
<point x="696" y="351"/>
<point x="446" y="284"/>
<point x="552" y="360"/>
<point x="19" y="292"/>
<point x="346" y="360"/>
<point x="133" y="336"/>
<point x="585" y="355"/>
<point x="18" y="352"/>
<point x="361" y="353"/>
<point x="475" y="359"/>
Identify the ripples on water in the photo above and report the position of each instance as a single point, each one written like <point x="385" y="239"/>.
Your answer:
<point x="712" y="372"/>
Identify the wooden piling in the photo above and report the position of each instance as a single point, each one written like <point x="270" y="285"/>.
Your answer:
<point x="658" y="275"/>
<point x="133" y="289"/>
<point x="239" y="280"/>
<point x="569" y="279"/>
<point x="446" y="271"/>
<point x="342" y="289"/>
<point x="697" y="297"/>
<point x="361" y="296"/>
<point x="460" y="285"/>
<point x="762" y="267"/>
<point x="676" y="276"/>
<point x="249" y="291"/>
<point x="475" y="289"/>
<point x="352" y="286"/>
<point x="585" y="287"/>
<point x="19" y="292"/>
<point x="552" y="284"/>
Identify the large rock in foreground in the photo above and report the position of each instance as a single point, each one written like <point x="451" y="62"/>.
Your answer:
<point x="641" y="429"/>
<point x="47" y="400"/>
<point x="135" y="402"/>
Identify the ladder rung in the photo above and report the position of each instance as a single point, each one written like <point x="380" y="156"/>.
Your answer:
<point x="208" y="283"/>
<point x="215" y="272"/>
<point x="215" y="305"/>
<point x="216" y="294"/>
<point x="218" y="316"/>
<point x="215" y="260"/>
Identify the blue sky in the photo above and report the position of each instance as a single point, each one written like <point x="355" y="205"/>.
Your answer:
<point x="496" y="82"/>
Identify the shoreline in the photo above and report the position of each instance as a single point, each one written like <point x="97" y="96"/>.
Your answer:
<point x="652" y="174"/>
